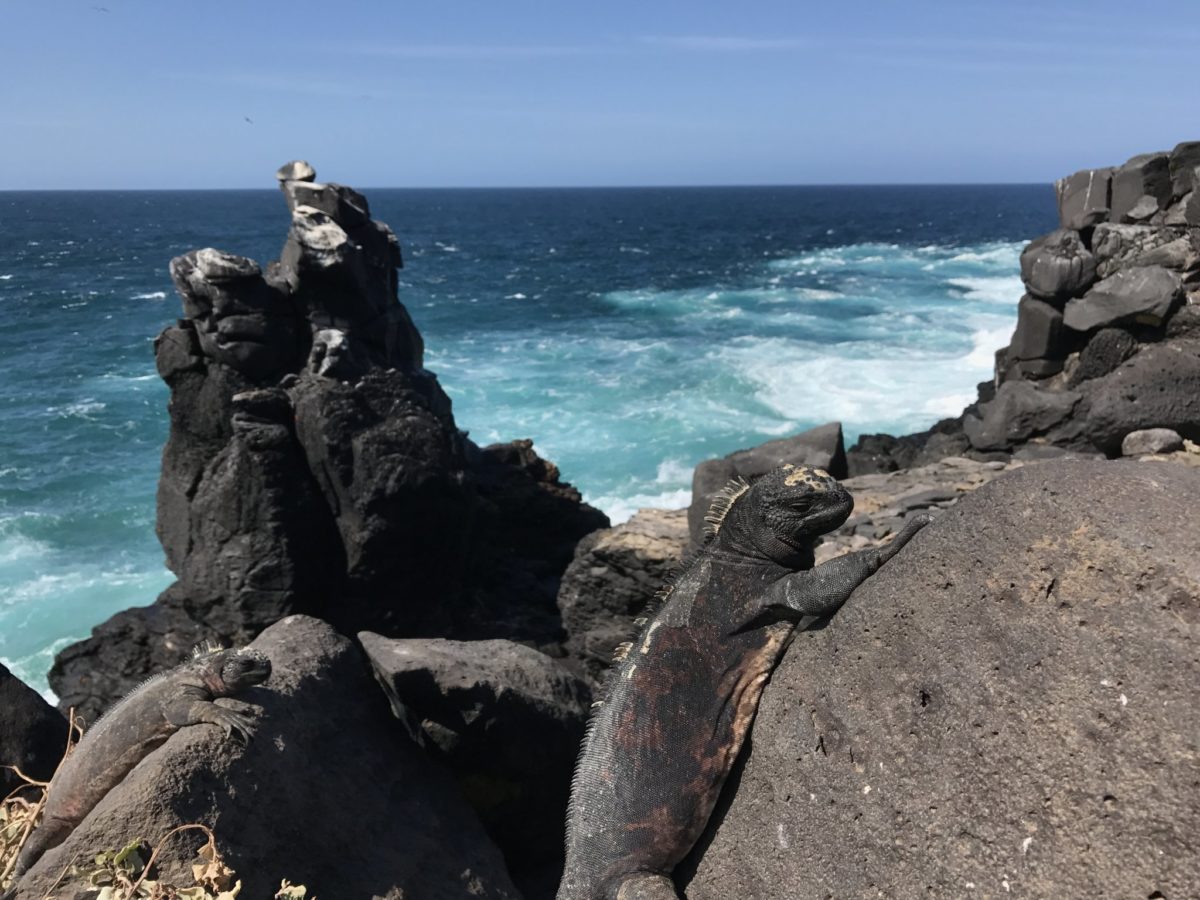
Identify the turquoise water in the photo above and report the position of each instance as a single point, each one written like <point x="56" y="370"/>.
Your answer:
<point x="630" y="333"/>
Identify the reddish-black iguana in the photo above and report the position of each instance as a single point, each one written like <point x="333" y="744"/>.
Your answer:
<point x="680" y="702"/>
<point x="138" y="724"/>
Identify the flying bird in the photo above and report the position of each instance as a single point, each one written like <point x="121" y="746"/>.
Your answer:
<point x="100" y="8"/>
<point x="248" y="119"/>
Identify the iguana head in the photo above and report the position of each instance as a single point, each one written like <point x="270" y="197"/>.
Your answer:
<point x="784" y="511"/>
<point x="230" y="671"/>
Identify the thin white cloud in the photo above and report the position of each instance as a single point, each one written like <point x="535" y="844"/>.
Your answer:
<point x="723" y="43"/>
<point x="299" y="83"/>
<point x="472" y="51"/>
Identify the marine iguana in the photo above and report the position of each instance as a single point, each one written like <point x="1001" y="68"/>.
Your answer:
<point x="680" y="702"/>
<point x="138" y="724"/>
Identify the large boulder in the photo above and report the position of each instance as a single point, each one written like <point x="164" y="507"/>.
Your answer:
<point x="33" y="734"/>
<point x="1018" y="412"/>
<point x="506" y="720"/>
<point x="1057" y="265"/>
<point x="822" y="447"/>
<point x="1107" y="349"/>
<point x="1184" y="161"/>
<point x="527" y="524"/>
<point x="1006" y="709"/>
<point x="1037" y="334"/>
<point x="1147" y="175"/>
<point x="1083" y="198"/>
<point x="1157" y="388"/>
<point x="314" y="466"/>
<point x="615" y="574"/>
<point x="330" y="793"/>
<point x="1145" y="295"/>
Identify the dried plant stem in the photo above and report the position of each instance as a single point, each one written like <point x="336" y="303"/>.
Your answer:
<point x="158" y="848"/>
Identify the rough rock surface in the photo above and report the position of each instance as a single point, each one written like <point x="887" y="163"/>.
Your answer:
<point x="330" y="793"/>
<point x="314" y="466"/>
<point x="1037" y="334"/>
<point x="1007" y="709"/>
<point x="33" y="734"/>
<point x="887" y="453"/>
<point x="1143" y="294"/>
<point x="1108" y="348"/>
<point x="506" y="720"/>
<point x="822" y="447"/>
<point x="1057" y="265"/>
<point x="1119" y="247"/>
<point x="1083" y="198"/>
<point x="1185" y="160"/>
<point x="1145" y="175"/>
<point x="1157" y="388"/>
<point x="1018" y="412"/>
<point x="615" y="574"/>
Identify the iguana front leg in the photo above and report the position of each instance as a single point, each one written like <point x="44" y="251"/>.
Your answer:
<point x="822" y="589"/>
<point x="191" y="711"/>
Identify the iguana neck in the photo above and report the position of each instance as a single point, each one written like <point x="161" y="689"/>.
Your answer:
<point x="746" y="541"/>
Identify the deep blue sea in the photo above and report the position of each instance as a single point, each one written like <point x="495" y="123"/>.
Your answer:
<point x="629" y="332"/>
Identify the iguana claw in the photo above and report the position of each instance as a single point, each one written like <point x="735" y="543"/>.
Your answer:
<point x="232" y="720"/>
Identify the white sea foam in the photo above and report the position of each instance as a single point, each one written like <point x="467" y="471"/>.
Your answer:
<point x="985" y="343"/>
<point x="673" y="471"/>
<point x="84" y="409"/>
<point x="152" y="295"/>
<point x="620" y="508"/>
<point x="19" y="547"/>
<point x="5" y="277"/>
<point x="992" y="289"/>
<point x="867" y="386"/>
<point x="515" y="297"/>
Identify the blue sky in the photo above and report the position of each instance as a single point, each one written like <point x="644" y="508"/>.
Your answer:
<point x="157" y="93"/>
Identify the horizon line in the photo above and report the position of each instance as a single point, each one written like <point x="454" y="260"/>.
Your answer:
<point x="550" y="187"/>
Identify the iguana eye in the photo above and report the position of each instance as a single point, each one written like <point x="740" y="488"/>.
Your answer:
<point x="801" y="504"/>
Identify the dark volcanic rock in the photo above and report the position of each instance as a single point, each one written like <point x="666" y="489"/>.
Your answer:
<point x="393" y="471"/>
<point x="1107" y="349"/>
<point x="33" y="734"/>
<point x="821" y="447"/>
<point x="1145" y="295"/>
<point x="1185" y="322"/>
<point x="1004" y="710"/>
<point x="1057" y="265"/>
<point x="1037" y="333"/>
<point x="1184" y="161"/>
<point x="885" y="453"/>
<point x="1083" y="198"/>
<point x="1147" y="174"/>
<point x="1157" y="388"/>
<point x="614" y="576"/>
<point x="506" y="720"/>
<point x="527" y="526"/>
<point x="330" y="793"/>
<point x="1018" y="412"/>
<point x="314" y="466"/>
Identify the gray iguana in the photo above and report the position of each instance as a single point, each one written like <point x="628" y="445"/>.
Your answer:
<point x="680" y="702"/>
<point x="135" y="726"/>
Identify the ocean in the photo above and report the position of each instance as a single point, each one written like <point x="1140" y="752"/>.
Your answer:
<point x="630" y="332"/>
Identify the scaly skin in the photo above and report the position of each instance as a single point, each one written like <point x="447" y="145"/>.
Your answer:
<point x="680" y="703"/>
<point x="136" y="725"/>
